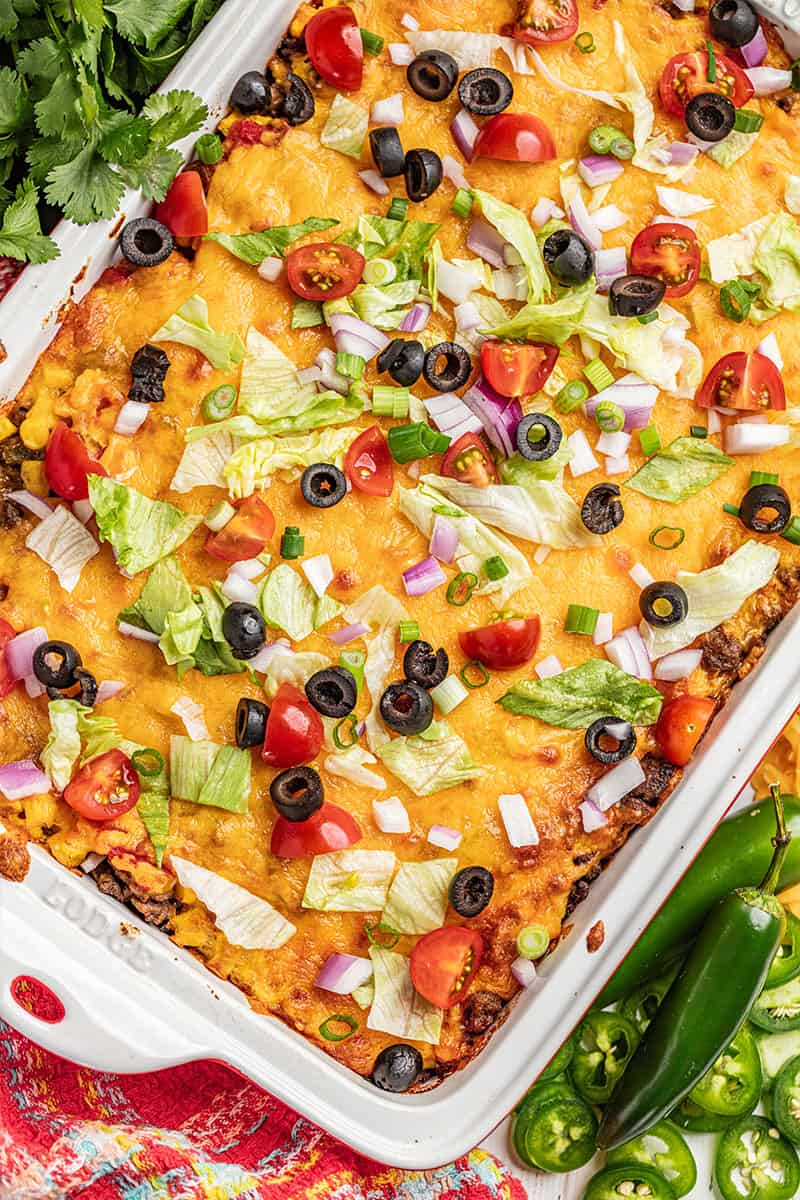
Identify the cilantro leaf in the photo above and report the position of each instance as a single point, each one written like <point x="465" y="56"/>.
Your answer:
<point x="14" y="105"/>
<point x="125" y="138"/>
<point x="21" y="233"/>
<point x="153" y="174"/>
<point x="253" y="248"/>
<point x="8" y="18"/>
<point x="41" y="60"/>
<point x="147" y="21"/>
<point x="58" y="111"/>
<point x="173" y="115"/>
<point x="86" y="187"/>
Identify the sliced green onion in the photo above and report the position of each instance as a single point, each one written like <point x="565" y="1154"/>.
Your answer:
<point x="462" y="203"/>
<point x="495" y="567"/>
<point x="598" y="374"/>
<point x="409" y="632"/>
<point x="354" y="661"/>
<point x="712" y="63"/>
<point x="372" y="42"/>
<point x="698" y="431"/>
<point x="350" y="365"/>
<point x="795" y="69"/>
<point x="609" y="416"/>
<point x="390" y="401"/>
<point x="602" y="136"/>
<point x="409" y="443"/>
<point x="747" y="121"/>
<point x="148" y="763"/>
<point x="350" y="723"/>
<point x="650" y="441"/>
<point x="379" y="271"/>
<point x="622" y="148"/>
<point x="208" y="148"/>
<point x="532" y="941"/>
<point x="736" y="298"/>
<point x="219" y="404"/>
<point x="662" y="537"/>
<point x="759" y="477"/>
<point x="581" y="619"/>
<point x="217" y="517"/>
<point x="732" y="510"/>
<point x="792" y="532"/>
<point x="585" y="42"/>
<point x="293" y="543"/>
<point x="646" y="318"/>
<point x="398" y="209"/>
<point x="448" y="694"/>
<point x="474" y="674"/>
<point x="381" y="927"/>
<point x="461" y="588"/>
<point x="571" y="396"/>
<point x="307" y="314"/>
<point x="343" y="1019"/>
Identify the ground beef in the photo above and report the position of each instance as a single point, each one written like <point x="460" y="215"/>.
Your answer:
<point x="13" y="453"/>
<point x="154" y="912"/>
<point x="657" y="774"/>
<point x="580" y="890"/>
<point x="290" y="48"/>
<point x="480" y="1011"/>
<point x="722" y="654"/>
<point x="14" y="858"/>
<point x="10" y="513"/>
<point x="787" y="103"/>
<point x="204" y="170"/>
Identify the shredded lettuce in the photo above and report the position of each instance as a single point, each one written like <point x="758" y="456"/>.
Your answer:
<point x="205" y="773"/>
<point x="252" y="466"/>
<point x="353" y="764"/>
<point x="349" y="881"/>
<point x="430" y="762"/>
<point x="404" y="242"/>
<point x="515" y="228"/>
<point x="269" y="386"/>
<point x="733" y="255"/>
<point x="581" y="695"/>
<point x="153" y="808"/>
<point x="377" y="669"/>
<point x="246" y="920"/>
<point x="62" y="542"/>
<point x="682" y="469"/>
<point x="203" y="462"/>
<point x="189" y="326"/>
<point x="714" y="596"/>
<point x="376" y="607"/>
<point x="140" y="530"/>
<point x="777" y="260"/>
<point x="63" y="747"/>
<point x="658" y="352"/>
<point x="387" y="306"/>
<point x="417" y="900"/>
<point x="253" y="248"/>
<point x="182" y="632"/>
<point x="289" y="603"/>
<point x="190" y="764"/>
<point x="523" y="472"/>
<point x="346" y="127"/>
<point x="733" y="147"/>
<point x="397" y="1008"/>
<point x="212" y="654"/>
<point x="553" y="323"/>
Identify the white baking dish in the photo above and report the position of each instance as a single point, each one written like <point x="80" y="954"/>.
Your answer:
<point x="135" y="1002"/>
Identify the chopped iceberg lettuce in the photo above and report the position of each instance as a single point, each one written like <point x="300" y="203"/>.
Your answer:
<point x="515" y="228"/>
<point x="63" y="747"/>
<point x="417" y="900"/>
<point x="680" y="470"/>
<point x="349" y="881"/>
<point x="203" y="462"/>
<point x="62" y="542"/>
<point x="577" y="697"/>
<point x="140" y="530"/>
<point x="397" y="1008"/>
<point x="777" y="259"/>
<point x="659" y="352"/>
<point x="346" y="127"/>
<point x="245" y="919"/>
<point x="253" y="248"/>
<point x="205" y="773"/>
<point x="353" y="764"/>
<point x="289" y="603"/>
<point x="405" y="243"/>
<point x="189" y="326"/>
<point x="553" y="323"/>
<point x="252" y="466"/>
<point x="429" y="762"/>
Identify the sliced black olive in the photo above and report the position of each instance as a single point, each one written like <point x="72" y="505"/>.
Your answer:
<point x="710" y="116"/>
<point x="251" y="723"/>
<point x="244" y="629"/>
<point x="323" y="485"/>
<point x="251" y="93"/>
<point x="635" y="295"/>
<point x="298" y="103"/>
<point x="397" y="1068"/>
<point x="149" y="367"/>
<point x="87" y="688"/>
<point x="403" y="360"/>
<point x="608" y="729"/>
<point x="537" y="449"/>
<point x="733" y="22"/>
<point x="297" y="793"/>
<point x="447" y="367"/>
<point x="424" y="666"/>
<point x="485" y="91"/>
<point x="568" y="257"/>
<point x="663" y="603"/>
<point x="423" y="172"/>
<point x="433" y="74"/>
<point x="55" y="664"/>
<point x="471" y="890"/>
<point x="332" y="691"/>
<point x="761" y="501"/>
<point x="406" y="707"/>
<point x="145" y="242"/>
<point x="602" y="510"/>
<point x="387" y="151"/>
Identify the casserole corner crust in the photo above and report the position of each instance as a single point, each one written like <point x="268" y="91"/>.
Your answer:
<point x="275" y="176"/>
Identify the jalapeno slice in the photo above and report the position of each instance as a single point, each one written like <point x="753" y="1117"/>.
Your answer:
<point x="665" y="1150"/>
<point x="605" y="1045"/>
<point x="694" y="1119"/>
<point x="628" y="1179"/>
<point x="786" y="1100"/>
<point x="557" y="1134"/>
<point x="778" y="1008"/>
<point x="753" y="1155"/>
<point x="786" y="963"/>
<point x="641" y="1005"/>
<point x="561" y="1060"/>
<point x="732" y="1086"/>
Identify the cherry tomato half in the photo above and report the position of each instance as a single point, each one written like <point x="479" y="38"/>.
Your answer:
<point x="515" y="137"/>
<point x="7" y="684"/>
<point x="184" y="210"/>
<point x="334" y="46"/>
<point x="686" y="76"/>
<point x="680" y="725"/>
<point x="503" y="644"/>
<point x="246" y="534"/>
<point x="369" y="464"/>
<point x="469" y="461"/>
<point x="105" y="788"/>
<point x="517" y="370"/>
<point x="324" y="271"/>
<point x="444" y="962"/>
<point x="670" y="252"/>
<point x="294" y="729"/>
<point x="330" y="828"/>
<point x="67" y="463"/>
<point x="545" y="21"/>
<point x="744" y="381"/>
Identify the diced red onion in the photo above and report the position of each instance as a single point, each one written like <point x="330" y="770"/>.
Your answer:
<point x="319" y="572"/>
<point x="517" y="820"/>
<point x="34" y="504"/>
<point x="583" y="224"/>
<point x="640" y="575"/>
<point x="239" y="590"/>
<point x="409" y="22"/>
<point x="543" y="211"/>
<point x="131" y="417"/>
<point x="678" y="665"/>
<point x="193" y="717"/>
<point x="682" y="153"/>
<point x="388" y="111"/>
<point x="312" y="374"/>
<point x="747" y="438"/>
<point x="400" y="54"/>
<point x="498" y="417"/>
<point x="262" y="661"/>
<point x="542" y="552"/>
<point x="769" y="347"/>
<point x="634" y="396"/>
<point x="444" y="539"/>
<point x="726" y="412"/>
<point x="109" y="688"/>
<point x="348" y="633"/>
<point x="620" y="652"/>
<point x="375" y="182"/>
<point x="423" y="577"/>
<point x="616" y="783"/>
<point x="91" y="861"/>
<point x="83" y="511"/>
<point x="133" y="631"/>
<point x="455" y="420"/>
<point x="699" y="142"/>
<point x="592" y="817"/>
<point x="714" y="422"/>
<point x="33" y="687"/>
<point x="465" y="133"/>
<point x="598" y="169"/>
<point x="644" y="668"/>
<point x="270" y="268"/>
<point x="391" y="816"/>
<point x="351" y="343"/>
<point x="609" y="265"/>
<point x="417" y="319"/>
<point x="467" y="316"/>
<point x="444" y="836"/>
<point x="19" y="652"/>
<point x="613" y="445"/>
<point x="548" y="667"/>
<point x="484" y="240"/>
<point x="343" y="973"/>
<point x="583" y="460"/>
<point x="609" y="217"/>
<point x="344" y="325"/>
<point x="453" y="170"/>
<point x="662" y="154"/>
<point x="768" y="80"/>
<point x="21" y="779"/>
<point x="604" y="629"/>
<point x="755" y="51"/>
<point x="326" y="361"/>
<point x="618" y="466"/>
<point x="524" y="972"/>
